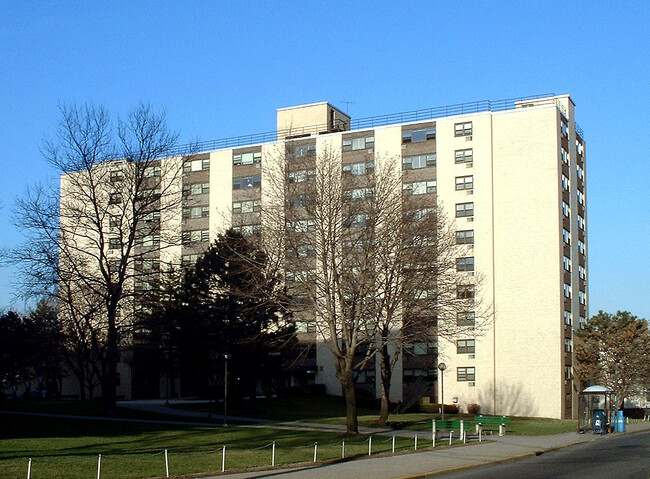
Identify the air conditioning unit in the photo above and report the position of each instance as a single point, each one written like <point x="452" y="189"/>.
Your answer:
<point x="471" y="384"/>
<point x="468" y="138"/>
<point x="470" y="219"/>
<point x="471" y="273"/>
<point x="471" y="356"/>
<point x="469" y="192"/>
<point x="469" y="165"/>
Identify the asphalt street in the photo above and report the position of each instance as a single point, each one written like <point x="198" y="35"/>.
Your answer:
<point x="618" y="456"/>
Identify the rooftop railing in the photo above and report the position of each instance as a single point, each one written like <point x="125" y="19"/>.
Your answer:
<point x="372" y="122"/>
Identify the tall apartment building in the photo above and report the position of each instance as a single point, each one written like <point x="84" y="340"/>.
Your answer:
<point x="510" y="173"/>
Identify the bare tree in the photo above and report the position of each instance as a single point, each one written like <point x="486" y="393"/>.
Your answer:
<point x="95" y="241"/>
<point x="370" y="266"/>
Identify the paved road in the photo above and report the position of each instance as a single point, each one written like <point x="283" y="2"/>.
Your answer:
<point x="619" y="456"/>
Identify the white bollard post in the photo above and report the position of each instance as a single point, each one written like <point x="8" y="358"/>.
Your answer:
<point x="415" y="442"/>
<point x="223" y="459"/>
<point x="315" y="450"/>
<point x="480" y="433"/>
<point x="343" y="450"/>
<point x="273" y="455"/>
<point x="370" y="445"/>
<point x="166" y="464"/>
<point x="464" y="437"/>
<point x="393" y="445"/>
<point x="450" y="436"/>
<point x="462" y="428"/>
<point x="433" y="433"/>
<point x="29" y="468"/>
<point x="99" y="467"/>
<point x="502" y="430"/>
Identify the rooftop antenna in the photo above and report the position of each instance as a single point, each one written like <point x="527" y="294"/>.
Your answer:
<point x="347" y="105"/>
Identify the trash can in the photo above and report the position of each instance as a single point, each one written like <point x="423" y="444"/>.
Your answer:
<point x="600" y="420"/>
<point x="620" y="422"/>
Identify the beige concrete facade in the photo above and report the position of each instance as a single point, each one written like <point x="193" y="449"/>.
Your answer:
<point x="523" y="163"/>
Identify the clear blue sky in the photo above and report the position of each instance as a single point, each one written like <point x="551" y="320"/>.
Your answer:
<point x="222" y="68"/>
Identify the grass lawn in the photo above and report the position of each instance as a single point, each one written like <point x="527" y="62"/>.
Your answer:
<point x="65" y="448"/>
<point x="331" y="410"/>
<point x="300" y="407"/>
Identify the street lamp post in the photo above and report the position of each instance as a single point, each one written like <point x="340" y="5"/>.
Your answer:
<point x="226" y="357"/>
<point x="442" y="367"/>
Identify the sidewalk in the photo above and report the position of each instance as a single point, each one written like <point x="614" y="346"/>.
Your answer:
<point x="421" y="464"/>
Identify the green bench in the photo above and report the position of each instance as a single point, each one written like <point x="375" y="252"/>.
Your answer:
<point x="447" y="425"/>
<point x="501" y="421"/>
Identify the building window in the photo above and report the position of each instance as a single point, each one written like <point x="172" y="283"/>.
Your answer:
<point x="147" y="265"/>
<point x="581" y="247"/>
<point x="302" y="226"/>
<point x="566" y="211"/>
<point x="581" y="197"/>
<point x="114" y="243"/>
<point x="564" y="129"/>
<point x="465" y="346"/>
<point x="582" y="297"/>
<point x="366" y="376"/>
<point x="465" y="156"/>
<point x="356" y="221"/>
<point x="567" y="290"/>
<point x="418" y="161"/>
<point x="247" y="158"/>
<point x="196" y="189"/>
<point x="148" y="241"/>
<point x="581" y="222"/>
<point x="466" y="318"/>
<point x="190" y="259"/>
<point x="352" y="144"/>
<point x="466" y="374"/>
<point x="152" y="171"/>
<point x="420" y="187"/>
<point x="301" y="151"/>
<point x="568" y="318"/>
<point x="465" y="291"/>
<point x="196" y="212"/>
<point x="196" y="236"/>
<point x="421" y="349"/>
<point x="358" y="194"/>
<point x="465" y="264"/>
<point x="196" y="165"/>
<point x="248" y="230"/>
<point x="252" y="206"/>
<point x="565" y="156"/>
<point x="246" y="182"/>
<point x="465" y="237"/>
<point x="566" y="236"/>
<point x="306" y="251"/>
<point x="465" y="182"/>
<point x="565" y="183"/>
<point x="115" y="221"/>
<point x="358" y="169"/>
<point x="581" y="322"/>
<point x="115" y="199"/>
<point x="581" y="172"/>
<point x="302" y="276"/>
<point x="464" y="209"/>
<point x="568" y="345"/>
<point x="115" y="176"/>
<point x="151" y="217"/>
<point x="416" y="136"/>
<point x="568" y="373"/>
<point x="421" y="214"/>
<point x="566" y="263"/>
<point x="463" y="129"/>
<point x="301" y="176"/>
<point x="582" y="272"/>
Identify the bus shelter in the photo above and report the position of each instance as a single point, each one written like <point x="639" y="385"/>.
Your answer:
<point x="596" y="410"/>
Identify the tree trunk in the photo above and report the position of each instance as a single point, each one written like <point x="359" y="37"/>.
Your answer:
<point x="347" y="382"/>
<point x="386" y="375"/>
<point x="109" y="383"/>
